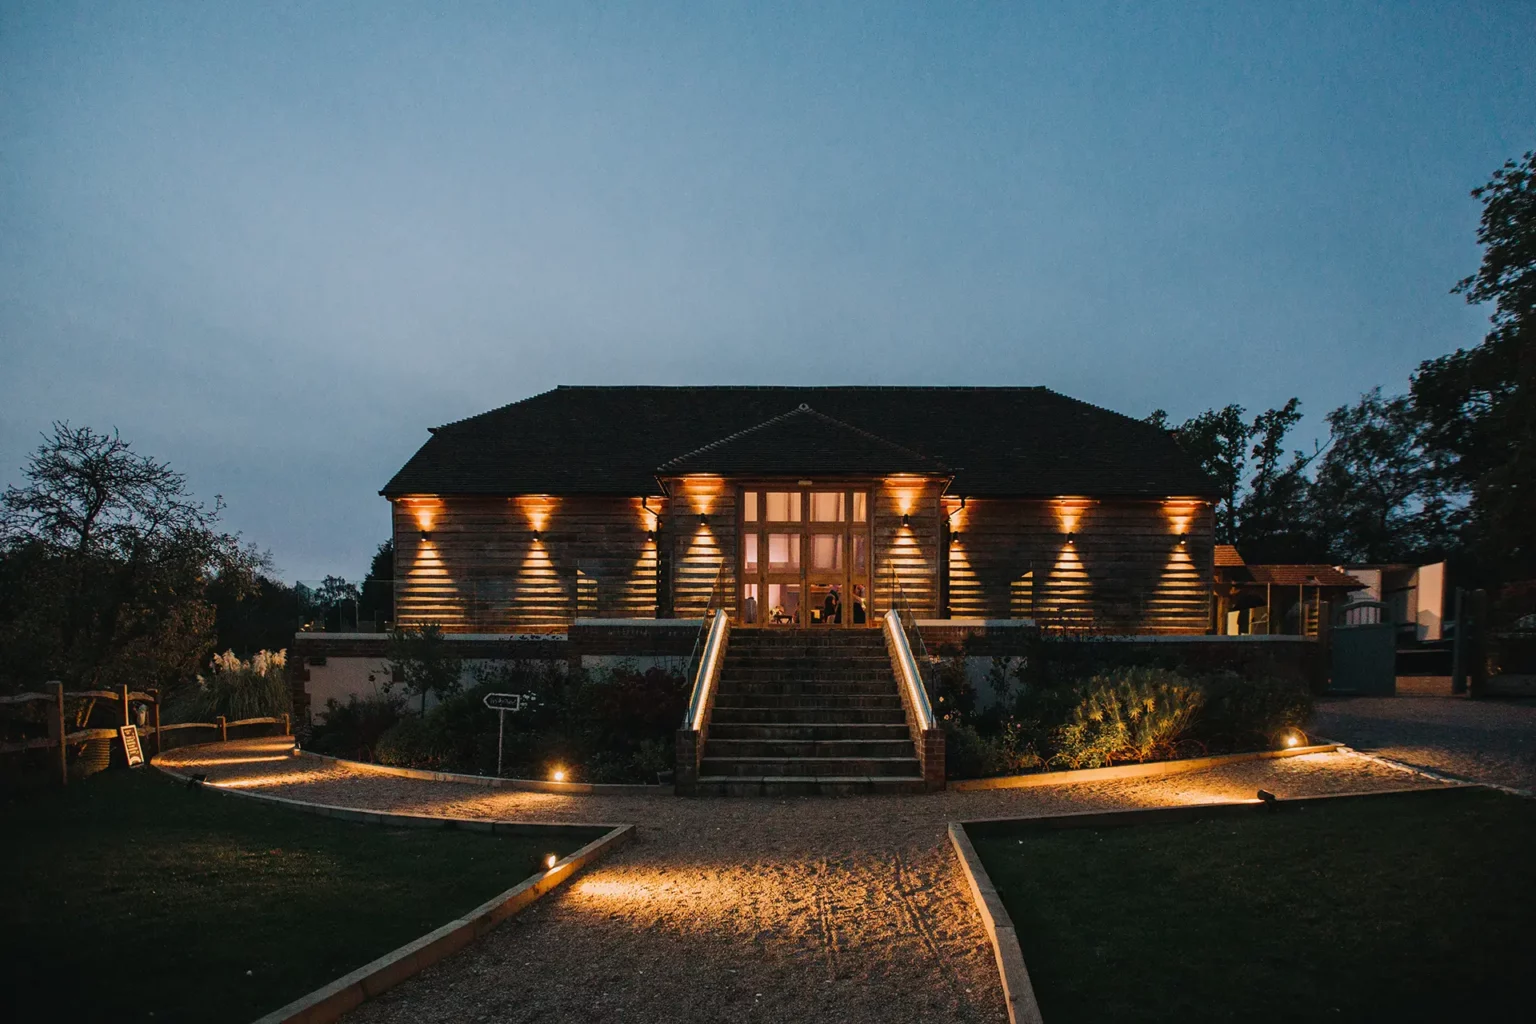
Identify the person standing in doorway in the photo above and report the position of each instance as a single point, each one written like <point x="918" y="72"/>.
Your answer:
<point x="832" y="607"/>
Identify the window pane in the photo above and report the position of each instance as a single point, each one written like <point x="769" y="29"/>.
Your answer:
<point x="749" y="555"/>
<point x="826" y="506"/>
<point x="783" y="506"/>
<point x="783" y="551"/>
<point x="783" y="604"/>
<point x="860" y="507"/>
<point x="860" y="553"/>
<point x="826" y="551"/>
<point x="749" y="506"/>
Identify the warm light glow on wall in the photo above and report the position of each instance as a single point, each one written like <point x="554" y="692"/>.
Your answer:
<point x="536" y="510"/>
<point x="1070" y="511"/>
<point x="423" y="510"/>
<point x="1181" y="514"/>
<point x="905" y="490"/>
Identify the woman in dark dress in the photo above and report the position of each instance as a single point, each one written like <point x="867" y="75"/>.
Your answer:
<point x="832" y="607"/>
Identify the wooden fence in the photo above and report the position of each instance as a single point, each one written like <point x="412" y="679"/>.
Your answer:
<point x="60" y="739"/>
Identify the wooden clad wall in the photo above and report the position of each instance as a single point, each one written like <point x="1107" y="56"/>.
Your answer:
<point x="908" y="554"/>
<point x="1124" y="571"/>
<point x="700" y="535"/>
<point x="481" y="569"/>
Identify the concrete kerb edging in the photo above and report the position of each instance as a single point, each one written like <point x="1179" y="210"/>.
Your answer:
<point x="329" y="1002"/>
<point x="1018" y="990"/>
<point x="1133" y="771"/>
<point x="492" y="782"/>
<point x="1427" y="773"/>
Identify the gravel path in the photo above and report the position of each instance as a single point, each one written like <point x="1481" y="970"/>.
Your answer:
<point x="829" y="909"/>
<point x="1481" y="740"/>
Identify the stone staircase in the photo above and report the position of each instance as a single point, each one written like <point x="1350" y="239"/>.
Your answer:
<point x="807" y="711"/>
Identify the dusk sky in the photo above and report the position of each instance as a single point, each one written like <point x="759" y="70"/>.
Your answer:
<point x="274" y="243"/>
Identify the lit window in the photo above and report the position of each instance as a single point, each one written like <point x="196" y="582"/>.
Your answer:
<point x="749" y="554"/>
<point x="826" y="551"/>
<point x="860" y="507"/>
<point x="783" y="551"/>
<point x="783" y="506"/>
<point x="860" y="553"/>
<point x="826" y="506"/>
<point x="749" y="506"/>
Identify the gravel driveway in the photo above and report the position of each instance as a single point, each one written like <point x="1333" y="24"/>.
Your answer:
<point x="808" y="908"/>
<point x="1488" y="740"/>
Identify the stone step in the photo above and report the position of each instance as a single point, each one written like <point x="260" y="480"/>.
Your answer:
<point x="798" y="766"/>
<point x="719" y="730"/>
<point x="764" y="674"/>
<point x="777" y="749"/>
<point x="884" y="700"/>
<point x="809" y="714"/>
<point x="806" y="688"/>
<point x="804" y="785"/>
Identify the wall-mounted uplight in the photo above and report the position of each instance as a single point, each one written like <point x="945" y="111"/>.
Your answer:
<point x="1183" y="537"/>
<point x="954" y="537"/>
<point x="1071" y="537"/>
<point x="906" y="519"/>
<point x="426" y="534"/>
<point x="703" y="519"/>
<point x="535" y="535"/>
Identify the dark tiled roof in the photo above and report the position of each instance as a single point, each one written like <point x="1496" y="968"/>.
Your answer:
<point x="610" y="440"/>
<point x="1303" y="576"/>
<point x="802" y="441"/>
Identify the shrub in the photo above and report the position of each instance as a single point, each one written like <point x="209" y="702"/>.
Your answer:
<point x="1133" y="714"/>
<point x="353" y="729"/>
<point x="1246" y="714"/>
<point x="236" y="689"/>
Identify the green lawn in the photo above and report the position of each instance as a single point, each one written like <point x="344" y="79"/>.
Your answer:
<point x="130" y="897"/>
<point x="1417" y="907"/>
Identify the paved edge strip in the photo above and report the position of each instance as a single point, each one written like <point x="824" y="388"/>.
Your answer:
<point x="1430" y="773"/>
<point x="328" y="1003"/>
<point x="492" y="782"/>
<point x="1018" y="993"/>
<point x="1132" y="771"/>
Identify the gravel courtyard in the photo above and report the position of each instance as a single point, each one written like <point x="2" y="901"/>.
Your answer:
<point x="836" y="909"/>
<point x="1491" y="740"/>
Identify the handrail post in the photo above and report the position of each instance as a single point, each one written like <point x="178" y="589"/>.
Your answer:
<point x="691" y="736"/>
<point x="223" y="729"/>
<point x="155" y="693"/>
<point x="56" y="728"/>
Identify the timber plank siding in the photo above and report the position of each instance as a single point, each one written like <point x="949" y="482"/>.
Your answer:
<point x="525" y="564"/>
<point x="1125" y="569"/>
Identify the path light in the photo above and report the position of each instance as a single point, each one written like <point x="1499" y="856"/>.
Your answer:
<point x="550" y="860"/>
<point x="1292" y="738"/>
<point x="559" y="775"/>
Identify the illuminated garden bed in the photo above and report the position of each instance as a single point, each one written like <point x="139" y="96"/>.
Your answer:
<point x="1402" y="907"/>
<point x="131" y="897"/>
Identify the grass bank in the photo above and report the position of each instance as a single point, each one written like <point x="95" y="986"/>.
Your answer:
<point x="131" y="897"/>
<point x="1414" y="907"/>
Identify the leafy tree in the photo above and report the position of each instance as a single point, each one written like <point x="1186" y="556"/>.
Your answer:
<point x="1260" y="507"/>
<point x="1375" y="498"/>
<point x="105" y="565"/>
<point x="1478" y="406"/>
<point x="378" y="600"/>
<point x="424" y="660"/>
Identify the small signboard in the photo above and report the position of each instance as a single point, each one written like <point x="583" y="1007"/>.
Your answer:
<point x="504" y="701"/>
<point x="131" y="747"/>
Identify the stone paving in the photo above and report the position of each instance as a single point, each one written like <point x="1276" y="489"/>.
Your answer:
<point x="1489" y="740"/>
<point x="809" y="908"/>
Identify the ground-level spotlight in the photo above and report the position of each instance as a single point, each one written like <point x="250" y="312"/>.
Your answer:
<point x="550" y="860"/>
<point x="1292" y="738"/>
<point x="558" y="775"/>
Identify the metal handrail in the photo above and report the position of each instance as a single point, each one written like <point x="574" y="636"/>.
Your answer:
<point x="910" y="676"/>
<point x="709" y="670"/>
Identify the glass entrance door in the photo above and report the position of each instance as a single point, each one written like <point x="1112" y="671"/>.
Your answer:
<point x="805" y="556"/>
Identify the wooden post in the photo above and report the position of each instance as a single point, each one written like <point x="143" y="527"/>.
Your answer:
<point x="123" y="694"/>
<point x="223" y="729"/>
<point x="287" y="725"/>
<point x="56" y="730"/>
<point x="155" y="693"/>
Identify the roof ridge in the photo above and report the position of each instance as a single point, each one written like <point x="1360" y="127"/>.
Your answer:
<point x="803" y="407"/>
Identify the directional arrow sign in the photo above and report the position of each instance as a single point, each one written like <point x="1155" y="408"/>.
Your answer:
<point x="504" y="701"/>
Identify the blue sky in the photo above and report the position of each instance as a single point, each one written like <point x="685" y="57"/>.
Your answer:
<point x="274" y="243"/>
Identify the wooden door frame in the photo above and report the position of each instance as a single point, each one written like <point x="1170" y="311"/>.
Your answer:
<point x="806" y="529"/>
